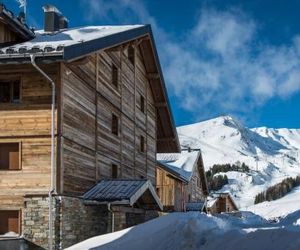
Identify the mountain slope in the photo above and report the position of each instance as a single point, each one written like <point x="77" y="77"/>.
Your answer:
<point x="271" y="154"/>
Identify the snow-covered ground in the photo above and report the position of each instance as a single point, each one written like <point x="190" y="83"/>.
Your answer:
<point x="271" y="154"/>
<point x="200" y="231"/>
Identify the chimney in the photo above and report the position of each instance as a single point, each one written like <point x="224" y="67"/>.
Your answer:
<point x="54" y="20"/>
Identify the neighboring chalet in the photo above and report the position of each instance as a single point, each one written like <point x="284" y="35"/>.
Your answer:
<point x="180" y="181"/>
<point x="221" y="203"/>
<point x="95" y="168"/>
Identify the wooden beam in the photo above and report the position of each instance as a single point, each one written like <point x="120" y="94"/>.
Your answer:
<point x="124" y="209"/>
<point x="161" y="105"/>
<point x="153" y="76"/>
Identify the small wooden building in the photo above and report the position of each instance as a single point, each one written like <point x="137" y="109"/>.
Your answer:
<point x="180" y="179"/>
<point x="220" y="203"/>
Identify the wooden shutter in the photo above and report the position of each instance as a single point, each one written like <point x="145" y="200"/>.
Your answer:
<point x="9" y="221"/>
<point x="9" y="156"/>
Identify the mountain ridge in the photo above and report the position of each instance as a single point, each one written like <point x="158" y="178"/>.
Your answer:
<point x="272" y="154"/>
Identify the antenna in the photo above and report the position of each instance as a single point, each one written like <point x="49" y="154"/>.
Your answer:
<point x="23" y="4"/>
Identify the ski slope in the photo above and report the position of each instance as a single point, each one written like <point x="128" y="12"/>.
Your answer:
<point x="271" y="154"/>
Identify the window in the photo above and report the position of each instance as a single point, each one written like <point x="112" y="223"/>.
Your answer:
<point x="142" y="100"/>
<point x="189" y="198"/>
<point x="10" y="91"/>
<point x="115" y="76"/>
<point x="115" y="125"/>
<point x="10" y="156"/>
<point x="131" y="54"/>
<point x="114" y="171"/>
<point x="9" y="221"/>
<point x="142" y="144"/>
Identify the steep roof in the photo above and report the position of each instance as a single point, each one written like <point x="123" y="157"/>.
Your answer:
<point x="71" y="44"/>
<point x="123" y="192"/>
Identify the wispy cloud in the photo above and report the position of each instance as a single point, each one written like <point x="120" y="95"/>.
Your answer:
<point x="219" y="66"/>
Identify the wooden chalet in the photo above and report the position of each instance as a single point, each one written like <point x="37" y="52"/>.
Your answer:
<point x="221" y="203"/>
<point x="181" y="180"/>
<point x="111" y="118"/>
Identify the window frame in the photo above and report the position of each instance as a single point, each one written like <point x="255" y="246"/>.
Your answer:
<point x="131" y="54"/>
<point x="142" y="144"/>
<point x="114" y="118"/>
<point x="114" y="170"/>
<point x="115" y="76"/>
<point x="11" y="80"/>
<point x="19" y="211"/>
<point x="142" y="103"/>
<point x="20" y="156"/>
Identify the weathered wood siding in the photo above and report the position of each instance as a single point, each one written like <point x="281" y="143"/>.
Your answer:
<point x="88" y="101"/>
<point x="28" y="123"/>
<point x="194" y="190"/>
<point x="6" y="35"/>
<point x="169" y="190"/>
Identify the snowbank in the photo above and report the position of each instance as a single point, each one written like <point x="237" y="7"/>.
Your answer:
<point x="200" y="231"/>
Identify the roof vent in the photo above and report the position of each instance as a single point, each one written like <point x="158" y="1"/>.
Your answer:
<point x="54" y="20"/>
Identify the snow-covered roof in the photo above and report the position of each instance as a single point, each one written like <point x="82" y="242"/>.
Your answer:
<point x="71" y="43"/>
<point x="183" y="164"/>
<point x="121" y="192"/>
<point x="49" y="42"/>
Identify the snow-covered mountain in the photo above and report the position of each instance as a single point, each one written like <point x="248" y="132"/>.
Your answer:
<point x="272" y="154"/>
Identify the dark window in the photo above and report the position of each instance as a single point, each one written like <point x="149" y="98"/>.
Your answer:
<point x="142" y="144"/>
<point x="189" y="197"/>
<point x="9" y="221"/>
<point x="114" y="171"/>
<point x="131" y="54"/>
<point x="10" y="91"/>
<point x="142" y="100"/>
<point x="115" y="76"/>
<point x="115" y="125"/>
<point x="9" y="156"/>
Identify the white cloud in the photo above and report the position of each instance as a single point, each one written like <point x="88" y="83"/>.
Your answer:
<point x="219" y="66"/>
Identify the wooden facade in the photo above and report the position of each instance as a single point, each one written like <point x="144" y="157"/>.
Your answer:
<point x="221" y="203"/>
<point x="175" y="190"/>
<point x="170" y="190"/>
<point x="26" y="123"/>
<point x="89" y="101"/>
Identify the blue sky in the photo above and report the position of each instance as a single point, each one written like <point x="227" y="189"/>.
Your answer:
<point x="232" y="57"/>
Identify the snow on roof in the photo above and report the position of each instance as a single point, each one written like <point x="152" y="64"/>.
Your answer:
<point x="54" y="42"/>
<point x="182" y="163"/>
<point x="211" y="201"/>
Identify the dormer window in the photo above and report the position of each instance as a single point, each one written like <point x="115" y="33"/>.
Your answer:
<point x="131" y="54"/>
<point x="10" y="91"/>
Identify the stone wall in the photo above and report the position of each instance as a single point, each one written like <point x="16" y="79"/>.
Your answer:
<point x="35" y="226"/>
<point x="79" y="222"/>
<point x="74" y="221"/>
